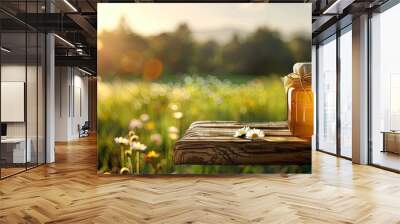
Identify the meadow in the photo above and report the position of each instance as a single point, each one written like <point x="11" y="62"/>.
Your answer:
<point x="158" y="113"/>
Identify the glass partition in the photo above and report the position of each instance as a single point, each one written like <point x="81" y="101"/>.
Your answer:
<point x="15" y="152"/>
<point x="22" y="93"/>
<point x="346" y="92"/>
<point x="327" y="95"/>
<point x="41" y="110"/>
<point x="385" y="89"/>
<point x="32" y="96"/>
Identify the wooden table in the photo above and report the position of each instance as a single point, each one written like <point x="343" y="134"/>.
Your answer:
<point x="391" y="141"/>
<point x="212" y="143"/>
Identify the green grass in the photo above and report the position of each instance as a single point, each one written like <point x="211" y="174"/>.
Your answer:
<point x="180" y="78"/>
<point x="197" y="98"/>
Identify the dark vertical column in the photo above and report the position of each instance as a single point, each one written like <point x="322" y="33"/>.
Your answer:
<point x="338" y="76"/>
<point x="37" y="90"/>
<point x="73" y="92"/>
<point x="369" y="90"/>
<point x="45" y="97"/>
<point x="0" y="93"/>
<point x="316" y="97"/>
<point x="26" y="86"/>
<point x="92" y="102"/>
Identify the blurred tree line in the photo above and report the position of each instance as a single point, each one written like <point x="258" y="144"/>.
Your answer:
<point x="125" y="53"/>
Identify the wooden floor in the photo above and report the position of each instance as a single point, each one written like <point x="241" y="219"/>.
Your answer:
<point x="10" y="171"/>
<point x="69" y="191"/>
<point x="386" y="159"/>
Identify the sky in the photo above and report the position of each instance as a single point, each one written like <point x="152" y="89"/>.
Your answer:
<point x="202" y="18"/>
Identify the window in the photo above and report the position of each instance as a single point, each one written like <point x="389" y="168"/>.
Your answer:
<point x="327" y="95"/>
<point x="345" y="92"/>
<point x="385" y="88"/>
<point x="22" y="88"/>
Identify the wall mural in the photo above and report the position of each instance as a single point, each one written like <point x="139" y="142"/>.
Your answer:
<point x="178" y="94"/>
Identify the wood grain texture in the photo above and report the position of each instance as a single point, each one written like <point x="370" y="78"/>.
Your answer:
<point x="70" y="191"/>
<point x="212" y="143"/>
<point x="234" y="124"/>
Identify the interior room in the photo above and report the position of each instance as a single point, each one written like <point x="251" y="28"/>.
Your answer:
<point x="25" y="67"/>
<point x="334" y="103"/>
<point x="23" y="96"/>
<point x="49" y="164"/>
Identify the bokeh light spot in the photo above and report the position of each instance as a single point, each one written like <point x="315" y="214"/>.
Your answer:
<point x="131" y="62"/>
<point x="152" y="69"/>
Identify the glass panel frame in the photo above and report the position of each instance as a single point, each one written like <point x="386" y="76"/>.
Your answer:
<point x="26" y="57"/>
<point x="327" y="96"/>
<point x="345" y="93"/>
<point x="32" y="97"/>
<point x="340" y="84"/>
<point x="383" y="88"/>
<point x="14" y="147"/>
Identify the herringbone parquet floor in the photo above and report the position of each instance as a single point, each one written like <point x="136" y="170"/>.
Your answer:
<point x="69" y="191"/>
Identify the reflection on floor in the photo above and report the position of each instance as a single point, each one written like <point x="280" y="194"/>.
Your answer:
<point x="70" y="191"/>
<point x="8" y="170"/>
<point x="386" y="159"/>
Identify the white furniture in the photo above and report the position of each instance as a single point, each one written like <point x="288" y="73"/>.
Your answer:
<point x="18" y="144"/>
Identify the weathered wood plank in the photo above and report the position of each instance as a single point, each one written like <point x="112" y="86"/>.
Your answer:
<point x="234" y="124"/>
<point x="212" y="132"/>
<point x="212" y="143"/>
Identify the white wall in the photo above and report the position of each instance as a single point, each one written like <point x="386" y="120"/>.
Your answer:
<point x="62" y="81"/>
<point x="33" y="126"/>
<point x="71" y="94"/>
<point x="9" y="73"/>
<point x="80" y="115"/>
<point x="12" y="73"/>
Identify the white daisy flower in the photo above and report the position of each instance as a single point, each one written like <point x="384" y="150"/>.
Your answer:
<point x="254" y="133"/>
<point x="121" y="140"/>
<point x="144" y="117"/>
<point x="241" y="132"/>
<point x="178" y="115"/>
<point x="173" y="107"/>
<point x="137" y="146"/>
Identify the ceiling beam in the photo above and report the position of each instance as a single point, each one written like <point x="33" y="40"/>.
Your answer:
<point x="49" y="22"/>
<point x="84" y="24"/>
<point x="321" y="22"/>
<point x="337" y="7"/>
<point x="78" y="61"/>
